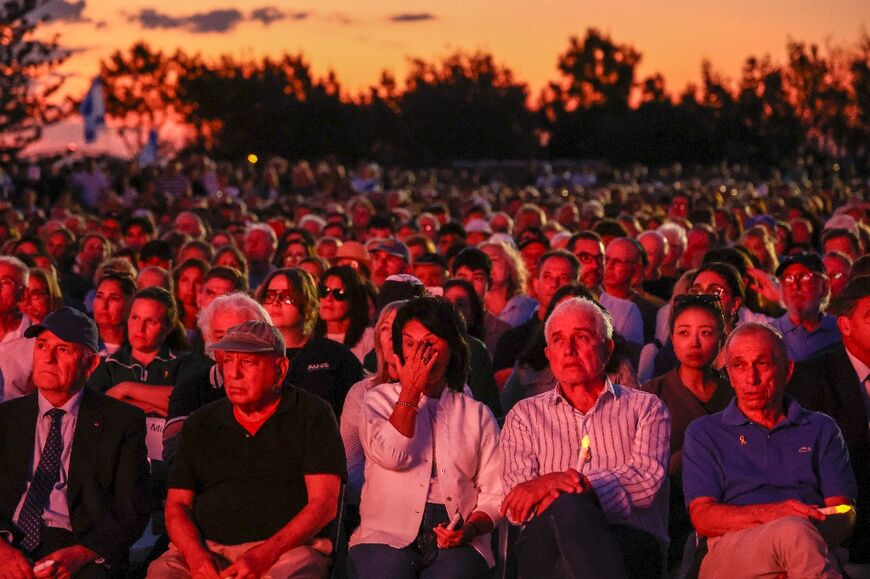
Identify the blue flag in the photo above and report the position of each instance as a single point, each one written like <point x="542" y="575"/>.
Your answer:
<point x="148" y="156"/>
<point x="93" y="110"/>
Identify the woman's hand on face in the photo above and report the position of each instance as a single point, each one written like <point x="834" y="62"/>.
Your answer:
<point x="414" y="373"/>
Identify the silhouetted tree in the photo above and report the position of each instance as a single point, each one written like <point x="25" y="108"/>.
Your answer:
<point x="464" y="107"/>
<point x="141" y="91"/>
<point x="27" y="81"/>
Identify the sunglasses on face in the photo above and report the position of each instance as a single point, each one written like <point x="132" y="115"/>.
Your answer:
<point x="338" y="294"/>
<point x="278" y="296"/>
<point x="712" y="290"/>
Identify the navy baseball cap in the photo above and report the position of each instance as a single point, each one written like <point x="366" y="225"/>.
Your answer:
<point x="811" y="261"/>
<point x="70" y="325"/>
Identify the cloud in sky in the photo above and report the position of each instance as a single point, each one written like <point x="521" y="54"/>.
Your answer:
<point x="62" y="11"/>
<point x="216" y="21"/>
<point x="412" y="17"/>
<point x="269" y="14"/>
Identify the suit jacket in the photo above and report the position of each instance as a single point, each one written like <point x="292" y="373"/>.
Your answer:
<point x="109" y="486"/>
<point x="827" y="382"/>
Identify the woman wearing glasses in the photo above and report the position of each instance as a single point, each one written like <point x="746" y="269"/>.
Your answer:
<point x="344" y="312"/>
<point x="694" y="388"/>
<point x="317" y="364"/>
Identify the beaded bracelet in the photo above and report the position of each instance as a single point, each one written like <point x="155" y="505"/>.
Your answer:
<point x="409" y="405"/>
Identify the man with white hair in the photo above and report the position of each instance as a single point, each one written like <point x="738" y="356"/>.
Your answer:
<point x="261" y="242"/>
<point x="677" y="243"/>
<point x="585" y="463"/>
<point x="200" y="382"/>
<point x="16" y="351"/>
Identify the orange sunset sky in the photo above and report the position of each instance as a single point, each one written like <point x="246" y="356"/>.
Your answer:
<point x="358" y="39"/>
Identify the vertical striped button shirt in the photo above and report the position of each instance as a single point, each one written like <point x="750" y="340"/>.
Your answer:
<point x="629" y="432"/>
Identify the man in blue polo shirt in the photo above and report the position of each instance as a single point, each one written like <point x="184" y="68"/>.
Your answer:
<point x="756" y="474"/>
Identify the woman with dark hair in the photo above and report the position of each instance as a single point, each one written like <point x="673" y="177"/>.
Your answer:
<point x="43" y="294"/>
<point x="423" y="428"/>
<point x="111" y="302"/>
<point x="317" y="364"/>
<point x="142" y="372"/>
<point x="187" y="279"/>
<point x="344" y="310"/>
<point x="231" y="256"/>
<point x="532" y="375"/>
<point x="295" y="250"/>
<point x="693" y="389"/>
<point x="461" y="294"/>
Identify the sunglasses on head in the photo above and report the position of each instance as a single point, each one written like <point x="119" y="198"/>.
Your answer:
<point x="338" y="294"/>
<point x="688" y="299"/>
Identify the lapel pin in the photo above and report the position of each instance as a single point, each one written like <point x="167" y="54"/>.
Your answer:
<point x="742" y="440"/>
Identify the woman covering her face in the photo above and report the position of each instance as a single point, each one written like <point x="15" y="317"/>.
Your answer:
<point x="423" y="428"/>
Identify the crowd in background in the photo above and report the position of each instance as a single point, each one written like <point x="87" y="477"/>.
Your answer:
<point x="155" y="255"/>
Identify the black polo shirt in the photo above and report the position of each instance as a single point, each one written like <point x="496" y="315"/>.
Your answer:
<point x="325" y="368"/>
<point x="247" y="487"/>
<point x="123" y="367"/>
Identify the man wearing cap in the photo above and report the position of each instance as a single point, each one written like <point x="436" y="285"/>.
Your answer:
<point x="74" y="483"/>
<point x="805" y="292"/>
<point x="837" y="382"/>
<point x="389" y="257"/>
<point x="257" y="474"/>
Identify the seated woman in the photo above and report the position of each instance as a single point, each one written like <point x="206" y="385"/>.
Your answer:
<point x="111" y="303"/>
<point x="317" y="364"/>
<point x="352" y="412"/>
<point x="188" y="278"/>
<point x="143" y="371"/>
<point x="694" y="388"/>
<point x="43" y="294"/>
<point x="344" y="310"/>
<point x="432" y="486"/>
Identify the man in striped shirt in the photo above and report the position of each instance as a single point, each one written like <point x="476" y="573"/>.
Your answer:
<point x="602" y="512"/>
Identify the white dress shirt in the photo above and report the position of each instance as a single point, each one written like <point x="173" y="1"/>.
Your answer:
<point x="398" y="469"/>
<point x="57" y="513"/>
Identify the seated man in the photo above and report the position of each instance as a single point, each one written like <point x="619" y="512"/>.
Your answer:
<point x="603" y="510"/>
<point x="756" y="473"/>
<point x="257" y="474"/>
<point x="74" y="482"/>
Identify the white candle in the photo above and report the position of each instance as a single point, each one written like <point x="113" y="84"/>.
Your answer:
<point x="584" y="451"/>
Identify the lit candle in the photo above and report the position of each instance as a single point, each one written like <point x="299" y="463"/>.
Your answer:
<point x="584" y="451"/>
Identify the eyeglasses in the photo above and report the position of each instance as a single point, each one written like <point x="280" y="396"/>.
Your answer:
<point x="616" y="262"/>
<point x="585" y="257"/>
<point x="278" y="296"/>
<point x="338" y="294"/>
<point x="713" y="290"/>
<point x="796" y="279"/>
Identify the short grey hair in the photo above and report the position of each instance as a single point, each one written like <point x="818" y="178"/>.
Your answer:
<point x="578" y="305"/>
<point x="265" y="229"/>
<point x="238" y="302"/>
<point x="19" y="266"/>
<point x="756" y="328"/>
<point x="675" y="234"/>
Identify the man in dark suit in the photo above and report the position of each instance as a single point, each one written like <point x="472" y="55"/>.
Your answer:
<point x="837" y="382"/>
<point x="74" y="483"/>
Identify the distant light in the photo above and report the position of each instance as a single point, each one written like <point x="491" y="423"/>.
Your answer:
<point x="252" y="159"/>
<point x="71" y="147"/>
<point x="836" y="166"/>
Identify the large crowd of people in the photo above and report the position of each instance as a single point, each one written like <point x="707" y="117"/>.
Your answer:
<point x="374" y="372"/>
